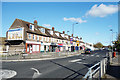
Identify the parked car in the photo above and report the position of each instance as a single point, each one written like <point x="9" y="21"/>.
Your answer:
<point x="88" y="51"/>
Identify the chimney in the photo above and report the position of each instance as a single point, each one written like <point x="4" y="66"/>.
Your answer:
<point x="63" y="32"/>
<point x="35" y="23"/>
<point x="53" y="28"/>
<point x="72" y="35"/>
<point x="80" y="38"/>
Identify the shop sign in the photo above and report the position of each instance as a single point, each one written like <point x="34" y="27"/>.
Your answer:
<point x="60" y="45"/>
<point x="71" y="40"/>
<point x="16" y="34"/>
<point x="77" y="43"/>
<point x="53" y="43"/>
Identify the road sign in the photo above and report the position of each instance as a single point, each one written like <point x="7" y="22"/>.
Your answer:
<point x="71" y="40"/>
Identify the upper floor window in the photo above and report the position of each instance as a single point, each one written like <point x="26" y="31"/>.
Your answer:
<point x="37" y="37"/>
<point x="48" y="39"/>
<point x="42" y="30"/>
<point x="29" y="35"/>
<point x="31" y="27"/>
<point x="66" y="36"/>
<point x="45" y="38"/>
<point x="62" y="35"/>
<point x="51" y="32"/>
<point x="33" y="36"/>
<point x="73" y="38"/>
<point x="57" y="34"/>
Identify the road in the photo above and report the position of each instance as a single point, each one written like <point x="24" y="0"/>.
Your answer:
<point x="71" y="67"/>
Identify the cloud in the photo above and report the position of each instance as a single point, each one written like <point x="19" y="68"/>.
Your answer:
<point x="46" y="25"/>
<point x="79" y="20"/>
<point x="102" y="10"/>
<point x="97" y="33"/>
<point x="110" y="26"/>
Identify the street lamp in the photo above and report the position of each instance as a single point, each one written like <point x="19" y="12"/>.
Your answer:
<point x="112" y="38"/>
<point x="67" y="32"/>
<point x="73" y="27"/>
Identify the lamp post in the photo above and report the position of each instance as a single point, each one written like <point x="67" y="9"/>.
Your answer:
<point x="112" y="38"/>
<point x="73" y="27"/>
<point x="67" y="32"/>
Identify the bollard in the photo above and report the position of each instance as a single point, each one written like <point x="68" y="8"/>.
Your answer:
<point x="114" y="54"/>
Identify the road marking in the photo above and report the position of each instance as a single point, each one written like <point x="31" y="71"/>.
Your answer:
<point x="82" y="55"/>
<point x="36" y="73"/>
<point x="81" y="63"/>
<point x="7" y="73"/>
<point x="83" y="58"/>
<point x="92" y="55"/>
<point x="97" y="56"/>
<point x="75" y="60"/>
<point x="87" y="55"/>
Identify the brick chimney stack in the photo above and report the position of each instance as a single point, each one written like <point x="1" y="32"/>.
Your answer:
<point x="72" y="35"/>
<point x="63" y="32"/>
<point x="53" y="28"/>
<point x="35" y="23"/>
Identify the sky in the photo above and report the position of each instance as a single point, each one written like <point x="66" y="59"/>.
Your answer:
<point x="95" y="19"/>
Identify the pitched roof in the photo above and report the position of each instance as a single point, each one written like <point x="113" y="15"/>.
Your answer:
<point x="18" y="23"/>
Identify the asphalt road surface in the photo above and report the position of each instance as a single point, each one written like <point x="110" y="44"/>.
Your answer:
<point x="65" y="68"/>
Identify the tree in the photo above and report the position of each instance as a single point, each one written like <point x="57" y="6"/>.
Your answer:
<point x="98" y="45"/>
<point x="117" y="43"/>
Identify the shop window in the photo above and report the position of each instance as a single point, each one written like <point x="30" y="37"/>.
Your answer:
<point x="28" y="48"/>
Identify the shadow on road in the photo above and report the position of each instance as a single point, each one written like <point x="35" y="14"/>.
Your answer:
<point x="75" y="72"/>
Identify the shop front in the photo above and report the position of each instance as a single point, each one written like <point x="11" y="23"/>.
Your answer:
<point x="32" y="47"/>
<point x="53" y="47"/>
<point x="46" y="47"/>
<point x="60" y="47"/>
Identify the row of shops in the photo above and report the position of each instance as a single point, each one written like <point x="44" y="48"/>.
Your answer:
<point x="31" y="38"/>
<point x="37" y="47"/>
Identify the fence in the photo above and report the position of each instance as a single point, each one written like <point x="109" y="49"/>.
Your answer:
<point x="97" y="70"/>
<point x="36" y="55"/>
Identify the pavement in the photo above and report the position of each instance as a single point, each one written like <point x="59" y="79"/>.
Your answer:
<point x="113" y="71"/>
<point x="40" y="56"/>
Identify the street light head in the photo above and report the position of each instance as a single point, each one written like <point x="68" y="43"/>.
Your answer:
<point x="111" y="29"/>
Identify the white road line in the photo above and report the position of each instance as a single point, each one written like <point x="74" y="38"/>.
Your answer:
<point x="87" y="55"/>
<point x="36" y="73"/>
<point x="7" y="73"/>
<point x="97" y="56"/>
<point x="81" y="63"/>
<point x="83" y="58"/>
<point x="75" y="60"/>
<point x="82" y="55"/>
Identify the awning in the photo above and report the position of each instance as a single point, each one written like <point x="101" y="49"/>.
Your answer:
<point x="60" y="45"/>
<point x="13" y="42"/>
